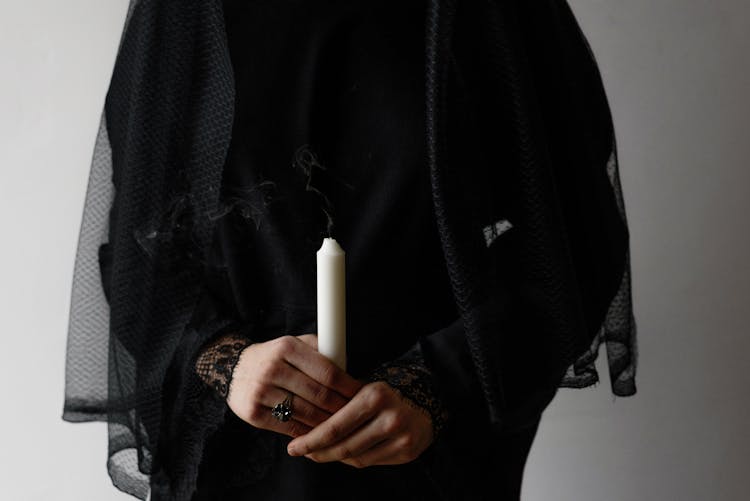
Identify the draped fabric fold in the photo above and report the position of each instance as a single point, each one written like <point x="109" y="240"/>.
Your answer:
<point x="165" y="131"/>
<point x="531" y="219"/>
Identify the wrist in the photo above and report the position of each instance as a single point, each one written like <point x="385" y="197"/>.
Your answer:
<point x="217" y="361"/>
<point x="413" y="381"/>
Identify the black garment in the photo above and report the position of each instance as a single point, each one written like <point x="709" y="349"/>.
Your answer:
<point x="535" y="300"/>
<point x="499" y="476"/>
<point x="331" y="89"/>
<point x="327" y="136"/>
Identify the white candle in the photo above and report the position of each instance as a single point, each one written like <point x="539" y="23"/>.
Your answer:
<point x="332" y="302"/>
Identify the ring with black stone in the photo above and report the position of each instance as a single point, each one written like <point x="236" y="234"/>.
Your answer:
<point x="283" y="411"/>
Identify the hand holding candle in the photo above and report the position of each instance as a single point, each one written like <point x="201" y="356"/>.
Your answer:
<point x="358" y="425"/>
<point x="332" y="302"/>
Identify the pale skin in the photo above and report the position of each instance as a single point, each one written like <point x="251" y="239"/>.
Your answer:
<point x="335" y="416"/>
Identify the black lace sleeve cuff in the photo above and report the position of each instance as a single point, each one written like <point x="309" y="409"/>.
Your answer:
<point x="217" y="359"/>
<point x="412" y="378"/>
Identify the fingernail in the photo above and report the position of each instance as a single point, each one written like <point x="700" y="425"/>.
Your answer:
<point x="292" y="451"/>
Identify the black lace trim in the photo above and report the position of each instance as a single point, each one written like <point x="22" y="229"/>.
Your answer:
<point x="413" y="379"/>
<point x="216" y="361"/>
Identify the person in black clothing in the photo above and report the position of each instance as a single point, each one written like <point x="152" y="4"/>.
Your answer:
<point x="462" y="153"/>
<point x="327" y="140"/>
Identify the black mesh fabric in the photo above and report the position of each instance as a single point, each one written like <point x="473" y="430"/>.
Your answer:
<point x="543" y="180"/>
<point x="524" y="75"/>
<point x="147" y="219"/>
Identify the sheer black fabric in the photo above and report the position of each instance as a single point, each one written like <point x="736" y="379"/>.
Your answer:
<point x="531" y="220"/>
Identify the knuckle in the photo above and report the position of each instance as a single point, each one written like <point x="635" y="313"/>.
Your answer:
<point x="285" y="344"/>
<point x="393" y="422"/>
<point x="406" y="443"/>
<point x="377" y="394"/>
<point x="344" y="452"/>
<point x="328" y="375"/>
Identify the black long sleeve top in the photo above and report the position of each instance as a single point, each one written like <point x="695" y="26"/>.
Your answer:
<point x="327" y="140"/>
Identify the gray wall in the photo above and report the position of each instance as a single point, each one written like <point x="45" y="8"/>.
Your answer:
<point x="677" y="75"/>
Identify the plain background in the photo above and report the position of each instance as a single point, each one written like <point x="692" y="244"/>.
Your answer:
<point x="677" y="74"/>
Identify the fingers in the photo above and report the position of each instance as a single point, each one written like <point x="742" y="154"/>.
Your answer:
<point x="385" y="452"/>
<point x="261" y="417"/>
<point x="372" y="447"/>
<point x="288" y="377"/>
<point x="299" y="354"/>
<point x="309" y="339"/>
<point x="355" y="445"/>
<point x="361" y="408"/>
<point x="293" y="364"/>
<point x="266" y="397"/>
<point x="260" y="400"/>
<point x="377" y="427"/>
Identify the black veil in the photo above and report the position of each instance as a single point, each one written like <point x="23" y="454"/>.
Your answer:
<point x="152" y="200"/>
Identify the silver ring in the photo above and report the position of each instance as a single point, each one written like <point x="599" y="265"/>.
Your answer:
<point x="283" y="410"/>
